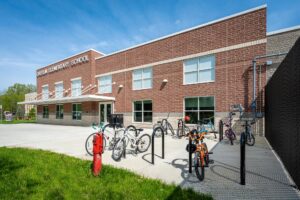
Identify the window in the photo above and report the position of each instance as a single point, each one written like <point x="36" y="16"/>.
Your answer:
<point x="45" y="112"/>
<point x="142" y="78"/>
<point x="105" y="84"/>
<point x="199" y="108"/>
<point x="76" y="87"/>
<point x="76" y="112"/>
<point x="59" y="111"/>
<point x="59" y="90"/>
<point x="142" y="111"/>
<point x="45" y="92"/>
<point x="199" y="70"/>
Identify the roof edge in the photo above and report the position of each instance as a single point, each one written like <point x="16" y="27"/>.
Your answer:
<point x="188" y="29"/>
<point x="70" y="57"/>
<point x="283" y="30"/>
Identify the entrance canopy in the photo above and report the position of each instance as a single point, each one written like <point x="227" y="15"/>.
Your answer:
<point x="78" y="99"/>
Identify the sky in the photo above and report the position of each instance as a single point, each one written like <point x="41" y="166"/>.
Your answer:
<point x="35" y="33"/>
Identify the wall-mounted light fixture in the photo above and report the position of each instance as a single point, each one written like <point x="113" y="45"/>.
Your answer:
<point x="165" y="81"/>
<point x="114" y="83"/>
<point x="121" y="86"/>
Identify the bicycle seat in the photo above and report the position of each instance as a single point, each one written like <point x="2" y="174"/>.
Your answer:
<point x="140" y="129"/>
<point x="159" y="122"/>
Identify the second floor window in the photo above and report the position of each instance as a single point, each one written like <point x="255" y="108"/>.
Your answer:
<point x="105" y="84"/>
<point x="76" y="87"/>
<point x="199" y="70"/>
<point x="142" y="78"/>
<point x="59" y="90"/>
<point x="45" y="92"/>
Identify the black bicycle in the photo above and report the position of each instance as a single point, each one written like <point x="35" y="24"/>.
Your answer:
<point x="250" y="139"/>
<point x="165" y="125"/>
<point x="182" y="128"/>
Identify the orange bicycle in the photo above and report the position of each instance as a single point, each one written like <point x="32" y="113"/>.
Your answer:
<point x="201" y="157"/>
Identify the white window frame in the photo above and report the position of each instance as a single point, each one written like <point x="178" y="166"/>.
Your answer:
<point x="57" y="91"/>
<point x="142" y="78"/>
<point x="198" y="111"/>
<point x="105" y="85"/>
<point x="133" y="111"/>
<point x="78" y="89"/>
<point x="45" y="95"/>
<point x="199" y="70"/>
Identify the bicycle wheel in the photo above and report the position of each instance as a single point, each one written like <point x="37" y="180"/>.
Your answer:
<point x="118" y="149"/>
<point x="171" y="128"/>
<point x="89" y="144"/>
<point x="186" y="129"/>
<point x="143" y="143"/>
<point x="179" y="132"/>
<point x="199" y="167"/>
<point x="250" y="140"/>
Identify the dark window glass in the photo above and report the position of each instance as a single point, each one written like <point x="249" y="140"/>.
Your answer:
<point x="206" y="103"/>
<point x="191" y="104"/>
<point x="200" y="109"/>
<point x="138" y="106"/>
<point x="142" y="111"/>
<point x="76" y="112"/>
<point x="138" y="116"/>
<point x="148" y="106"/>
<point x="45" y="112"/>
<point x="147" y="116"/>
<point x="193" y="117"/>
<point x="59" y="111"/>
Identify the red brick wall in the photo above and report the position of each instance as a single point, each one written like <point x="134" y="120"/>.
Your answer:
<point x="233" y="82"/>
<point x="85" y="70"/>
<point x="241" y="29"/>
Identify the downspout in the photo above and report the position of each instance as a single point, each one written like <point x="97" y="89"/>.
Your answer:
<point x="253" y="104"/>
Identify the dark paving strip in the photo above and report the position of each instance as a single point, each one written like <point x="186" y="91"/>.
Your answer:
<point x="265" y="178"/>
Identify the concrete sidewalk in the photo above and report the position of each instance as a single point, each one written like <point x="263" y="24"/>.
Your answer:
<point x="265" y="177"/>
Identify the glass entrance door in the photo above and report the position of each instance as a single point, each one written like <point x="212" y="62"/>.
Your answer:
<point x="105" y="109"/>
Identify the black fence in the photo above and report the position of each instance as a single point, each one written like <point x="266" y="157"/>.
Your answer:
<point x="283" y="112"/>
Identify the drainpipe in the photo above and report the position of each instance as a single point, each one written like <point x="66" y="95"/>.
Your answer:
<point x="253" y="104"/>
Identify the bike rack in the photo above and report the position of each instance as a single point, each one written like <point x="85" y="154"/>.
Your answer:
<point x="190" y="155"/>
<point x="220" y="130"/>
<point x="243" y="156"/>
<point x="163" y="144"/>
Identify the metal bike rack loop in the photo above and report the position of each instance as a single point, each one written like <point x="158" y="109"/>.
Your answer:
<point x="243" y="156"/>
<point x="221" y="130"/>
<point x="190" y="155"/>
<point x="163" y="144"/>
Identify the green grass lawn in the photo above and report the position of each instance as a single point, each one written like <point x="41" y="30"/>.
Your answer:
<point x="37" y="174"/>
<point x="17" y="121"/>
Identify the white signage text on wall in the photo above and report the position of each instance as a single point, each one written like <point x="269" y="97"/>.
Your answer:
<point x="64" y="65"/>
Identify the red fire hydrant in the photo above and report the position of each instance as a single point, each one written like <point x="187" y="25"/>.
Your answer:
<point x="97" y="150"/>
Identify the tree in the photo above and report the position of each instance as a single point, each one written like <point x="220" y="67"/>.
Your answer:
<point x="32" y="113"/>
<point x="15" y="94"/>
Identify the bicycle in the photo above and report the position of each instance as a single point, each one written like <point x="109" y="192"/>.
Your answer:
<point x="199" y="148"/>
<point x="229" y="133"/>
<point x="182" y="129"/>
<point x="110" y="133"/>
<point x="207" y="125"/>
<point x="250" y="139"/>
<point x="139" y="143"/>
<point x="165" y="125"/>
